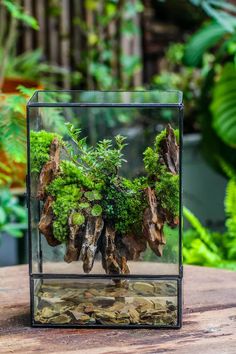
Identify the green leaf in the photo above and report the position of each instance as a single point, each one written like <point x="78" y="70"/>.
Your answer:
<point x="96" y="210"/>
<point x="14" y="229"/>
<point x="3" y="216"/>
<point x="78" y="219"/>
<point x="202" y="41"/>
<point x="221" y="11"/>
<point x="223" y="106"/>
<point x="25" y="90"/>
<point x="17" y="12"/>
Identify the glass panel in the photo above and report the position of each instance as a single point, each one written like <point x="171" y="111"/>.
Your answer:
<point x="106" y="302"/>
<point x="102" y="97"/>
<point x="129" y="238"/>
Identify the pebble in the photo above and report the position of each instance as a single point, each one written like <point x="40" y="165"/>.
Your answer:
<point x="145" y="303"/>
<point x="143" y="288"/>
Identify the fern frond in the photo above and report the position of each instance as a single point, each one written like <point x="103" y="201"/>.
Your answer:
<point x="203" y="233"/>
<point x="203" y="40"/>
<point x="230" y="198"/>
<point x="227" y="168"/>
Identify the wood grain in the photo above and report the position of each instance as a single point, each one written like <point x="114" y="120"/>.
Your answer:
<point x="209" y="324"/>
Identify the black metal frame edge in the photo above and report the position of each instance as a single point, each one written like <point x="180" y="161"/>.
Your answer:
<point x="105" y="276"/>
<point x="47" y="325"/>
<point x="181" y="110"/>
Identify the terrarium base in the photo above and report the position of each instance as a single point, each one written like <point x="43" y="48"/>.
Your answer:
<point x="104" y="302"/>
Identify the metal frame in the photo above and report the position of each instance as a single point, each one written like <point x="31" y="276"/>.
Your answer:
<point x="34" y="276"/>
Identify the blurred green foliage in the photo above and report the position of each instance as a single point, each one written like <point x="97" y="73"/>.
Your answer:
<point x="203" y="68"/>
<point x="208" y="248"/>
<point x="103" y="64"/>
<point x="13" y="218"/>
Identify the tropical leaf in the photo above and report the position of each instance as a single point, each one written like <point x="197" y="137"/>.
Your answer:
<point x="13" y="140"/>
<point x="17" y="12"/>
<point x="221" y="11"/>
<point x="223" y="105"/>
<point x="203" y="40"/>
<point x="230" y="198"/>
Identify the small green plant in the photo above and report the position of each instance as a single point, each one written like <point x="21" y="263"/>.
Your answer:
<point x="207" y="248"/>
<point x="13" y="217"/>
<point x="78" y="219"/>
<point x="96" y="210"/>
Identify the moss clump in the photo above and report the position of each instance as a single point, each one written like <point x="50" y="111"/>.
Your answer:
<point x="167" y="192"/>
<point x="66" y="200"/>
<point x="124" y="204"/>
<point x="165" y="183"/>
<point x="150" y="160"/>
<point x="40" y="148"/>
<point x="84" y="205"/>
<point x="93" y="195"/>
<point x="71" y="192"/>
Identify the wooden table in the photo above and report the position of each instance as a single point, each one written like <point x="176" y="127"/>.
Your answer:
<point x="209" y="324"/>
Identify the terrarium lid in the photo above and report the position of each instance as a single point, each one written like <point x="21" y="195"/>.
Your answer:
<point x="170" y="98"/>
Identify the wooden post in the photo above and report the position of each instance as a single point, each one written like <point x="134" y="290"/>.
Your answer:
<point x="65" y="40"/>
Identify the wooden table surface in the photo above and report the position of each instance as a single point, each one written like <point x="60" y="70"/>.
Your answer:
<point x="209" y="324"/>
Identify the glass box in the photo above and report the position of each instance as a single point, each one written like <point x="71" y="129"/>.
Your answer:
<point x="104" y="198"/>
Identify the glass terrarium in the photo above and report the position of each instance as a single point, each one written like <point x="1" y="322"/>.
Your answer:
<point x="104" y="203"/>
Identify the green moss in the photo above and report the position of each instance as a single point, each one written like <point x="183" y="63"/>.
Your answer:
<point x="92" y="195"/>
<point x="89" y="184"/>
<point x="165" y="183"/>
<point x="124" y="203"/>
<point x="78" y="219"/>
<point x="167" y="192"/>
<point x="76" y="174"/>
<point x="62" y="207"/>
<point x="176" y="131"/>
<point x="159" y="138"/>
<point x="67" y="197"/>
<point x="96" y="210"/>
<point x="150" y="161"/>
<point x="84" y="205"/>
<point x="40" y="148"/>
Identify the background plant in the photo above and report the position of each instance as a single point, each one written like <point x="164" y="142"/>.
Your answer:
<point x="13" y="219"/>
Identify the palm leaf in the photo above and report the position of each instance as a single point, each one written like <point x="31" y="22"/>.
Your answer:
<point x="221" y="11"/>
<point x="201" y="41"/>
<point x="223" y="105"/>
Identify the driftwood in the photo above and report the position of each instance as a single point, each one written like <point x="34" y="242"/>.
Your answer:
<point x="46" y="222"/>
<point x="93" y="230"/>
<point x="134" y="245"/>
<point x="153" y="224"/>
<point x="112" y="261"/>
<point x="72" y="250"/>
<point x="169" y="154"/>
<point x="49" y="170"/>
